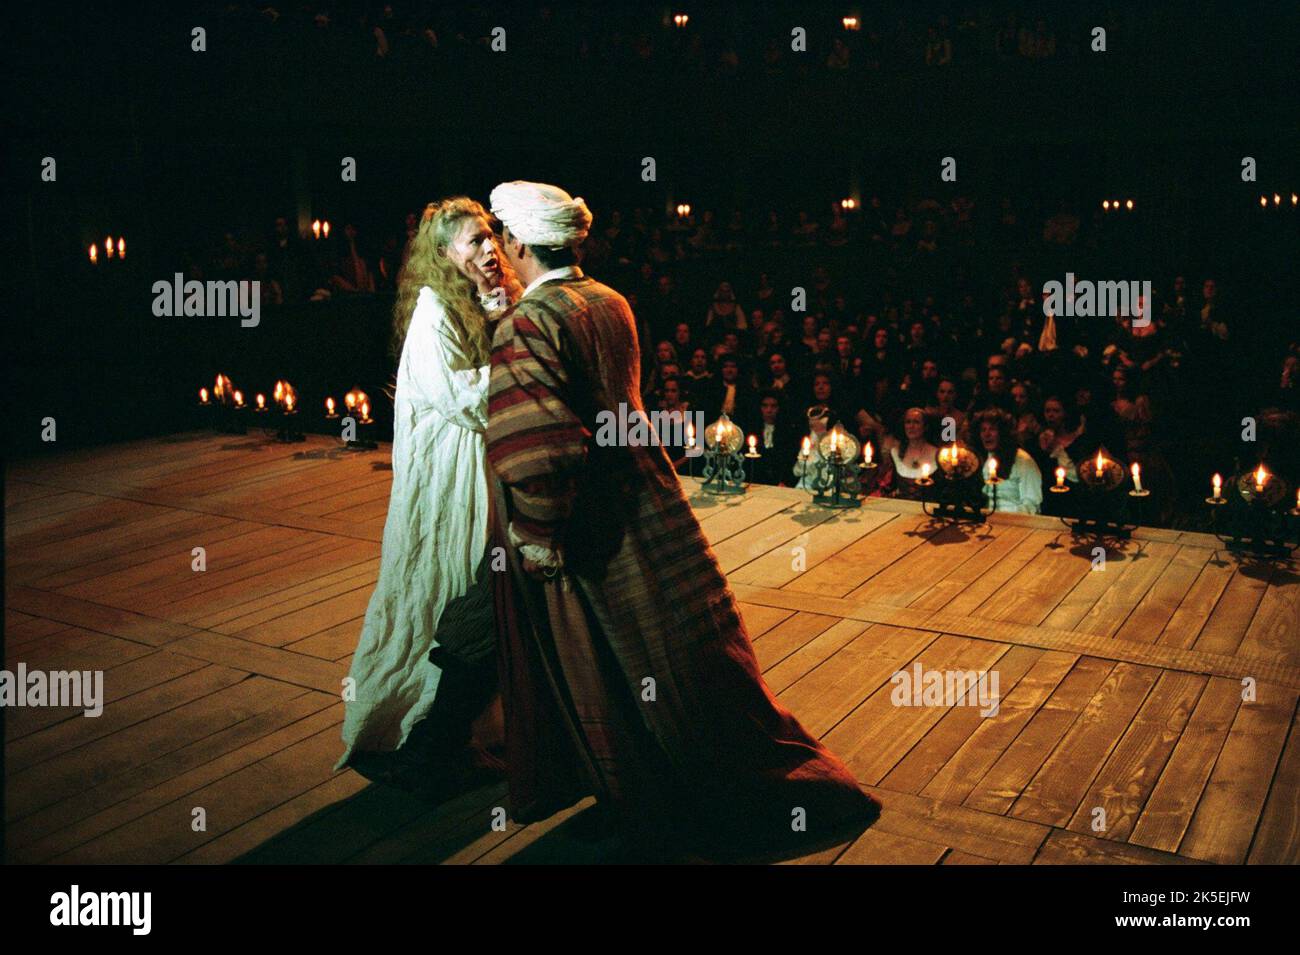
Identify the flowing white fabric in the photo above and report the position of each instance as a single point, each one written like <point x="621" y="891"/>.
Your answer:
<point x="435" y="534"/>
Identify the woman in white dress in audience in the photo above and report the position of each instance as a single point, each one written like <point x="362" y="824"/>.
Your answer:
<point x="1020" y="490"/>
<point x="425" y="664"/>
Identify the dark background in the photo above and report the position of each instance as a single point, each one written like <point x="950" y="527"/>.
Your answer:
<point x="172" y="148"/>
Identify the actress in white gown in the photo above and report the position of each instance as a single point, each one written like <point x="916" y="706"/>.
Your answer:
<point x="436" y="534"/>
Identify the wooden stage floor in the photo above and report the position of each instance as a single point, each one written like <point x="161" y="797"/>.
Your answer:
<point x="1121" y="689"/>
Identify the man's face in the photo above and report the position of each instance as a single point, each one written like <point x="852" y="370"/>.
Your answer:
<point x="663" y="352"/>
<point x="929" y="370"/>
<point x="824" y="340"/>
<point x="997" y="381"/>
<point x="776" y="364"/>
<point x="1053" y="413"/>
<point x="821" y="388"/>
<point x="1020" y="395"/>
<point x="947" y="392"/>
<point x="683" y="334"/>
<point x="513" y="249"/>
<point x="730" y="372"/>
<point x="769" y="408"/>
<point x="1208" y="289"/>
<point x="843" y="346"/>
<point x="672" y="394"/>
<point x="699" y="360"/>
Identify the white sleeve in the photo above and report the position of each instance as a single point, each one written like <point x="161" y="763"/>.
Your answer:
<point x="439" y="370"/>
<point x="1031" y="484"/>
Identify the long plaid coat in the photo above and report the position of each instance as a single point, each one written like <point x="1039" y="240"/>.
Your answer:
<point x="645" y="652"/>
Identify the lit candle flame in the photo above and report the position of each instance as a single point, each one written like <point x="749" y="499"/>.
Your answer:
<point x="925" y="470"/>
<point x="325" y="228"/>
<point x="1137" y="476"/>
<point x="1101" y="463"/>
<point x="1060" y="477"/>
<point x="329" y="405"/>
<point x="121" y="247"/>
<point x="365" y="410"/>
<point x="1261" y="478"/>
<point x="94" y="254"/>
<point x="288" y="401"/>
<point x="108" y="246"/>
<point x="992" y="467"/>
<point x="753" y="444"/>
<point x="203" y="395"/>
<point x="315" y="228"/>
<point x="867" y="452"/>
<point x="1217" y="482"/>
<point x="239" y="399"/>
<point x="350" y="399"/>
<point x="261" y="401"/>
<point x="807" y="448"/>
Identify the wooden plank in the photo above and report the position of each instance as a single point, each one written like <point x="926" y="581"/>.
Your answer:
<point x="994" y="837"/>
<point x="850" y="568"/>
<point x="1056" y="791"/>
<point x="1013" y="770"/>
<point x="915" y="770"/>
<point x="1277" y="840"/>
<point x="880" y="847"/>
<point x="1123" y="785"/>
<point x="1225" y="819"/>
<point x="788" y="636"/>
<point x="96" y="812"/>
<point x="1075" y="848"/>
<point x="824" y="696"/>
<point x="1168" y="810"/>
<point x="783" y="564"/>
<point x="973" y="759"/>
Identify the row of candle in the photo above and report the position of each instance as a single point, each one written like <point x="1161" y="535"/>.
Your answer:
<point x="109" y="249"/>
<point x="287" y="399"/>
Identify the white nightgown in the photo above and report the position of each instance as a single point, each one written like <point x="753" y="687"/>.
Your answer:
<point x="435" y="535"/>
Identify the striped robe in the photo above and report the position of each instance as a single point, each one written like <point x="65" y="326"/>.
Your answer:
<point x="642" y="648"/>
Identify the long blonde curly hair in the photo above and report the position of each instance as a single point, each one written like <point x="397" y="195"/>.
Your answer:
<point x="426" y="264"/>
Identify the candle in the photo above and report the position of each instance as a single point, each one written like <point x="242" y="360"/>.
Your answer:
<point x="203" y="396"/>
<point x="753" y="444"/>
<point x="991" y="468"/>
<point x="690" y="434"/>
<point x="866" y="453"/>
<point x="806" y="449"/>
<point x="365" y="411"/>
<point x="835" y="441"/>
<point x="1217" y="481"/>
<point x="925" y="471"/>
<point x="1137" y="476"/>
<point x="1060" y="477"/>
<point x="315" y="228"/>
<point x="351" y="400"/>
<point x="261" y="402"/>
<point x="239" y="399"/>
<point x="1261" y="478"/>
<point x="1101" y="463"/>
<point x="94" y="254"/>
<point x="325" y="228"/>
<point x="121" y="247"/>
<point x="108" y="246"/>
<point x="329" y="406"/>
<point x="288" y="402"/>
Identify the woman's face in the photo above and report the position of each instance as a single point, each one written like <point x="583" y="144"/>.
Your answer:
<point x="1054" y="413"/>
<point x="473" y="250"/>
<point x="809" y="326"/>
<point x="882" y="338"/>
<point x="947" y="393"/>
<point x="664" y="352"/>
<point x="989" y="435"/>
<point x="914" y="425"/>
<point x="699" y="360"/>
<point x="683" y="334"/>
<point x="1020" y="395"/>
<point x="822" y="388"/>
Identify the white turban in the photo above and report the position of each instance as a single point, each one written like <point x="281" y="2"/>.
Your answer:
<point x="539" y="214"/>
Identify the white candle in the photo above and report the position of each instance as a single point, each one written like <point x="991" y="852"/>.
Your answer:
<point x="1060" y="477"/>
<point x="866" y="453"/>
<point x="1217" y="481"/>
<point x="806" y="449"/>
<point x="991" y="468"/>
<point x="925" y="471"/>
<point x="1137" y="476"/>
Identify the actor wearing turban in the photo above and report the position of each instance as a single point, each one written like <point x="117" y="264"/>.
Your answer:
<point x="634" y="678"/>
